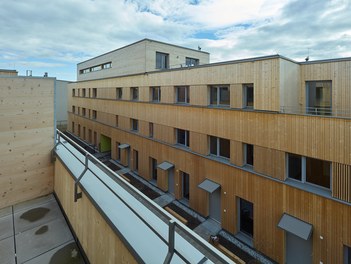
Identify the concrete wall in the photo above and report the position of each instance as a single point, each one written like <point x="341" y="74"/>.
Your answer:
<point x="26" y="138"/>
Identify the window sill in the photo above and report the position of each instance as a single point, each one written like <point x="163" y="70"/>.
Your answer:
<point x="181" y="146"/>
<point x="218" y="106"/>
<point x="219" y="158"/>
<point x="322" y="191"/>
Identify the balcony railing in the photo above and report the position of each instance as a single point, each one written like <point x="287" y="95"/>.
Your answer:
<point x="154" y="234"/>
<point x="323" y="111"/>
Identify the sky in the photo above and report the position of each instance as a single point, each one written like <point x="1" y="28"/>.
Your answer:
<point x="53" y="36"/>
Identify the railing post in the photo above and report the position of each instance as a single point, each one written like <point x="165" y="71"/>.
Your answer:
<point x="171" y="234"/>
<point x="76" y="194"/>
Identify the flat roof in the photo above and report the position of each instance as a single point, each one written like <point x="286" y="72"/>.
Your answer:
<point x="143" y="40"/>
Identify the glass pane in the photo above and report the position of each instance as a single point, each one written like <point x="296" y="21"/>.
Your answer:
<point x="249" y="154"/>
<point x="224" y="96"/>
<point x="246" y="217"/>
<point x="213" y="95"/>
<point x="186" y="186"/>
<point x="318" y="172"/>
<point x="213" y="145"/>
<point x="187" y="95"/>
<point x="249" y="96"/>
<point x="224" y="148"/>
<point x="181" y="97"/>
<point x="294" y="167"/>
<point x="181" y="136"/>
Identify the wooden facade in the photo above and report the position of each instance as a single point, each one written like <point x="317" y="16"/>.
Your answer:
<point x="26" y="138"/>
<point x="273" y="134"/>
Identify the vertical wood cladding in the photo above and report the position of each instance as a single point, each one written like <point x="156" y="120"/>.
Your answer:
<point x="342" y="181"/>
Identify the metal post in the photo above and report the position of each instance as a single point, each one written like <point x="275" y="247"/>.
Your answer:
<point x="171" y="234"/>
<point x="76" y="194"/>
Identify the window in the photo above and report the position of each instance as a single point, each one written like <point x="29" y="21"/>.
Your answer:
<point x="78" y="110"/>
<point x="191" y="61"/>
<point x="134" y="93"/>
<point x="96" y="68"/>
<point x="155" y="94"/>
<point x="162" y="60"/>
<point x="248" y="95"/>
<point x="118" y="93"/>
<point x="219" y="95"/>
<point x="90" y="135"/>
<point x="83" y="111"/>
<point x="319" y="97"/>
<point x="134" y="125"/>
<point x="73" y="92"/>
<point x="94" y="92"/>
<point x="107" y="65"/>
<point x="73" y="109"/>
<point x="72" y="127"/>
<point x="78" y="130"/>
<point x="135" y="160"/>
<point x="182" y="94"/>
<point x="94" y="114"/>
<point x="220" y="147"/>
<point x="151" y="130"/>
<point x="246" y="217"/>
<point x="153" y="163"/>
<point x="249" y="154"/>
<point x="183" y="137"/>
<point x="185" y="185"/>
<point x="309" y="170"/>
<point x="84" y="92"/>
<point x="116" y="124"/>
<point x="347" y="255"/>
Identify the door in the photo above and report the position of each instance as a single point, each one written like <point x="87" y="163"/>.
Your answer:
<point x="298" y="250"/>
<point x="215" y="205"/>
<point x="171" y="181"/>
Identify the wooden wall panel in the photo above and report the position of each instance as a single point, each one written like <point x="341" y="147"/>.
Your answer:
<point x="269" y="162"/>
<point x="26" y="138"/>
<point x="162" y="179"/>
<point x="99" y="241"/>
<point x="236" y="153"/>
<point x="199" y="143"/>
<point x="144" y="128"/>
<point x="199" y="95"/>
<point x="168" y="94"/>
<point x="144" y="94"/>
<point x="341" y="181"/>
<point x="236" y="95"/>
<point x="164" y="133"/>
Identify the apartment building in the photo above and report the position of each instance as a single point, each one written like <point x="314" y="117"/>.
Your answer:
<point x="260" y="145"/>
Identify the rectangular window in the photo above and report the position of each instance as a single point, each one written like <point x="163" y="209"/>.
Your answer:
<point x="219" y="95"/>
<point x="118" y="93"/>
<point x="183" y="137"/>
<point x="309" y="170"/>
<point x="319" y="97"/>
<point x="151" y="130"/>
<point x="134" y="124"/>
<point x="185" y="185"/>
<point x="191" y="61"/>
<point x="116" y="120"/>
<point x="155" y="94"/>
<point x="84" y="92"/>
<point x="162" y="60"/>
<point x="73" y="109"/>
<point x="220" y="147"/>
<point x="94" y="114"/>
<point x="135" y="160"/>
<point x="94" y="92"/>
<point x="153" y="167"/>
<point x="248" y="95"/>
<point x="182" y="94"/>
<point x="107" y="65"/>
<point x="249" y="154"/>
<point x="347" y="255"/>
<point x="72" y="127"/>
<point x="78" y="110"/>
<point x="83" y="111"/>
<point x="73" y="92"/>
<point x="246" y="214"/>
<point x="134" y="93"/>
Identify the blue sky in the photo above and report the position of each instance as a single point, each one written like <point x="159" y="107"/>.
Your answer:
<point x="53" y="36"/>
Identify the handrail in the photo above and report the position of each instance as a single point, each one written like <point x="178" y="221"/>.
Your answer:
<point x="316" y="110"/>
<point x="172" y="222"/>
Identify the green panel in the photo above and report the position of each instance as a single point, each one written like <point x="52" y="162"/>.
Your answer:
<point x="105" y="143"/>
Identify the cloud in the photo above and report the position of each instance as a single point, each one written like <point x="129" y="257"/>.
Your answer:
<point x="62" y="33"/>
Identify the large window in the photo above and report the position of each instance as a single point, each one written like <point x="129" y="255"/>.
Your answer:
<point x="246" y="217"/>
<point x="319" y="97"/>
<point x="220" y="147"/>
<point x="118" y="93"/>
<point x="134" y="93"/>
<point x="191" y="61"/>
<point x="249" y="154"/>
<point x="248" y="95"/>
<point x="185" y="185"/>
<point x="155" y="94"/>
<point x="219" y="95"/>
<point x="84" y="92"/>
<point x="134" y="124"/>
<point x="162" y="60"/>
<point x="182" y="94"/>
<point x="183" y="137"/>
<point x="309" y="170"/>
<point x="94" y="114"/>
<point x="153" y="168"/>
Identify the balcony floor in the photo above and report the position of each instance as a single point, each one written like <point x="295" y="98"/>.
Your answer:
<point x="36" y="232"/>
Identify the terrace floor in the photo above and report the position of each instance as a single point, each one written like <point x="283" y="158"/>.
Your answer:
<point x="36" y="232"/>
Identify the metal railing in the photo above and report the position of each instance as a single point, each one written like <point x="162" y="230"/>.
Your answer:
<point x="321" y="111"/>
<point x="173" y="224"/>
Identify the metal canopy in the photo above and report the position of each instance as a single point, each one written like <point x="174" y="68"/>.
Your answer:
<point x="209" y="186"/>
<point x="165" y="165"/>
<point x="123" y="146"/>
<point x="295" y="226"/>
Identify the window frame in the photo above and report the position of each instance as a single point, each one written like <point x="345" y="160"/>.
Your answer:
<point x="246" y="155"/>
<point x="186" y="137"/>
<point x="186" y="94"/>
<point x="162" y="60"/>
<point x="218" y="147"/>
<point x="218" y="93"/>
<point x="155" y="94"/>
<point x="245" y="97"/>
<point x="119" y="93"/>
<point x="134" y="125"/>
<point x="134" y="91"/>
<point x="189" y="59"/>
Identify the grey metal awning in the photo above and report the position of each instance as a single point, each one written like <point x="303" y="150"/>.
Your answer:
<point x="209" y="186"/>
<point x="123" y="146"/>
<point x="295" y="226"/>
<point x="165" y="165"/>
